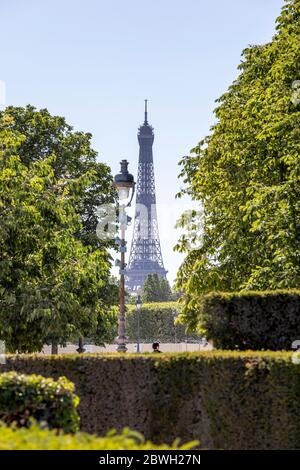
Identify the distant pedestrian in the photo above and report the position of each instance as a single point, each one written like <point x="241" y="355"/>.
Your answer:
<point x="155" y="347"/>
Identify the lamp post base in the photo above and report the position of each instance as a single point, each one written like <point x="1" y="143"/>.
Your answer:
<point x="122" y="348"/>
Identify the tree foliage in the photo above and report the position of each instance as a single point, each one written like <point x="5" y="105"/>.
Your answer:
<point x="156" y="289"/>
<point x="54" y="276"/>
<point x="246" y="176"/>
<point x="45" y="135"/>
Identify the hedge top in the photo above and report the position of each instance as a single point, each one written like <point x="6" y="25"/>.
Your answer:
<point x="266" y="320"/>
<point x="41" y="439"/>
<point x="23" y="397"/>
<point x="156" y="306"/>
<point x="196" y="355"/>
<point x="62" y="386"/>
<point x="253" y="293"/>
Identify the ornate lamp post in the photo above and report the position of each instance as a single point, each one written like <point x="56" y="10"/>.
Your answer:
<point x="138" y="309"/>
<point x="124" y="183"/>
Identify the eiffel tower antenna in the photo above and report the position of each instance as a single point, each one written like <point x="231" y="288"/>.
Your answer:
<point x="146" y="112"/>
<point x="145" y="254"/>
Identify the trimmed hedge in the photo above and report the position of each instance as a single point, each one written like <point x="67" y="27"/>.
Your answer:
<point x="157" y="324"/>
<point x="250" y="320"/>
<point x="24" y="398"/>
<point x="36" y="438"/>
<point x="225" y="400"/>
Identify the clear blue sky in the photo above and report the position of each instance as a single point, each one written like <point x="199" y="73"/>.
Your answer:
<point x="95" y="61"/>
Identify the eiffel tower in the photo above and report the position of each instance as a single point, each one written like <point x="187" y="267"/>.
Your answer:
<point x="145" y="254"/>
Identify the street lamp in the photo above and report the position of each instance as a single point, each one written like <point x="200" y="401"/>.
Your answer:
<point x="175" y="330"/>
<point x="124" y="183"/>
<point x="138" y="310"/>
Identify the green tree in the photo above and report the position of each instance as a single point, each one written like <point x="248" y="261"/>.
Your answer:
<point x="52" y="284"/>
<point x="156" y="289"/>
<point x="166" y="292"/>
<point x="246" y="176"/>
<point x="45" y="135"/>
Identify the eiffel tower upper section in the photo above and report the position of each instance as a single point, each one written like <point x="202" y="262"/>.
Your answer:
<point x="145" y="255"/>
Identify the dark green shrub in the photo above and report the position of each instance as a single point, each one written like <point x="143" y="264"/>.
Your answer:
<point x="157" y="324"/>
<point x="223" y="399"/>
<point x="39" y="439"/>
<point x="250" y="320"/>
<point x="29" y="397"/>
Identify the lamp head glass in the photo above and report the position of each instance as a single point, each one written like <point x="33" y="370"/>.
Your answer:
<point x="124" y="181"/>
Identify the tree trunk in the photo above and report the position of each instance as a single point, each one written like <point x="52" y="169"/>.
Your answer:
<point x="80" y="348"/>
<point x="54" y="347"/>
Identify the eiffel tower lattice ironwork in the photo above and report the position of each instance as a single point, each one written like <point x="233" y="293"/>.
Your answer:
<point x="145" y="254"/>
